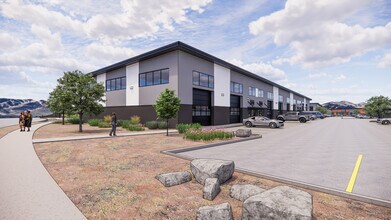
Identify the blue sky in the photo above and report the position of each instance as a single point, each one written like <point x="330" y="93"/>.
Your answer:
<point x="328" y="50"/>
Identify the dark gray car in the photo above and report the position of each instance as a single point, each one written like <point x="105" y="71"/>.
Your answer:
<point x="293" y="116"/>
<point x="262" y="121"/>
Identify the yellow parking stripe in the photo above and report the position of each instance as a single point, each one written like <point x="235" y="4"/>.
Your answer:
<point x="354" y="175"/>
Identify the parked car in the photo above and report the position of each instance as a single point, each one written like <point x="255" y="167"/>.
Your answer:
<point x="262" y="121"/>
<point x="310" y="114"/>
<point x="316" y="114"/>
<point x="384" y="121"/>
<point x="293" y="116"/>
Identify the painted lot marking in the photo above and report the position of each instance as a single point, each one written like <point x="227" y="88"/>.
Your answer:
<point x="354" y="174"/>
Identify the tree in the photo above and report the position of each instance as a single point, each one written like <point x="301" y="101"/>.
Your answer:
<point x="80" y="93"/>
<point x="59" y="102"/>
<point x="323" y="110"/>
<point x="378" y="106"/>
<point x="167" y="105"/>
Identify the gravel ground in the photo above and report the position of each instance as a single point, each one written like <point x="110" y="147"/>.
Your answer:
<point x="114" y="179"/>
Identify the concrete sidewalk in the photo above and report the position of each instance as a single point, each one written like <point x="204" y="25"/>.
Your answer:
<point x="85" y="137"/>
<point x="27" y="191"/>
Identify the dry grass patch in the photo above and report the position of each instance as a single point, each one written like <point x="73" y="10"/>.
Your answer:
<point x="115" y="179"/>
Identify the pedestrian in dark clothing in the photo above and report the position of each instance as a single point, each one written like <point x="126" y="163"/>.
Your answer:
<point x="27" y="121"/>
<point x="113" y="124"/>
<point x="21" y="121"/>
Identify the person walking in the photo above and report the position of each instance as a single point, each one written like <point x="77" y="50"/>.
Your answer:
<point x="21" y="121"/>
<point x="27" y="121"/>
<point x="113" y="124"/>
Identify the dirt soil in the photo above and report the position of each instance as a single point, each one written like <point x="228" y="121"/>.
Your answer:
<point x="69" y="130"/>
<point x="115" y="179"/>
<point x="5" y="130"/>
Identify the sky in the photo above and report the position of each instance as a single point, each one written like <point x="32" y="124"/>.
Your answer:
<point x="327" y="50"/>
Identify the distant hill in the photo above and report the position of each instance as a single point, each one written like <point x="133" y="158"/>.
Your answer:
<point x="343" y="105"/>
<point x="10" y="108"/>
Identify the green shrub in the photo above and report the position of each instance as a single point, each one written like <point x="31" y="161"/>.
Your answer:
<point x="73" y="120"/>
<point x="135" y="128"/>
<point x="206" y="135"/>
<point x="135" y="120"/>
<point x="182" y="128"/>
<point x="103" y="124"/>
<point x="162" y="124"/>
<point x="94" y="122"/>
<point x="152" y="124"/>
<point x="124" y="123"/>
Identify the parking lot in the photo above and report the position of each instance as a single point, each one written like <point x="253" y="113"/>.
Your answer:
<point x="321" y="153"/>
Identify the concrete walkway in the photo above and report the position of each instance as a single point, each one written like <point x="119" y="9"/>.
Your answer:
<point x="27" y="191"/>
<point x="85" y="137"/>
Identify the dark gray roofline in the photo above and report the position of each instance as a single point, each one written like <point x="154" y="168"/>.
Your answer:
<point x="191" y="50"/>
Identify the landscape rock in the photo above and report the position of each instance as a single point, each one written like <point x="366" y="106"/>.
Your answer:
<point x="215" y="212"/>
<point x="172" y="179"/>
<point x="243" y="133"/>
<point x="243" y="192"/>
<point x="212" y="168"/>
<point x="281" y="202"/>
<point x="211" y="188"/>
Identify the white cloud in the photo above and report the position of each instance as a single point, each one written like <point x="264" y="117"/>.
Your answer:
<point x="264" y="70"/>
<point x="314" y="31"/>
<point x="108" y="53"/>
<point x="8" y="41"/>
<point x="317" y="75"/>
<point x="385" y="61"/>
<point x="341" y="77"/>
<point x="35" y="83"/>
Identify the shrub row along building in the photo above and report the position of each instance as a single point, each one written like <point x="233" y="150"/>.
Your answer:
<point x="212" y="91"/>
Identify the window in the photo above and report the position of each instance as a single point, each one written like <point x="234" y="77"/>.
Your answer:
<point x="260" y="93"/>
<point x="156" y="77"/>
<point x="236" y="87"/>
<point x="116" y="84"/>
<point x="251" y="91"/>
<point x="288" y="100"/>
<point x="199" y="110"/>
<point x="269" y="95"/>
<point x="280" y="98"/>
<point x="202" y="79"/>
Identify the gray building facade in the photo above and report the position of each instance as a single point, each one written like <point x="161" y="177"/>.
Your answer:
<point x="212" y="91"/>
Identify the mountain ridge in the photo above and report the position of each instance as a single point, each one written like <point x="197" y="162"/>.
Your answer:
<point x="11" y="108"/>
<point x="343" y="105"/>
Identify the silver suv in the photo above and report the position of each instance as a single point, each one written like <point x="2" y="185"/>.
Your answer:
<point x="294" y="116"/>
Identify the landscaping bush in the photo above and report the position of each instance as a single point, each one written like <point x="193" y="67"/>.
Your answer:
<point x="73" y="120"/>
<point x="182" y="128"/>
<point x="206" y="135"/>
<point x="103" y="124"/>
<point x="135" y="120"/>
<point x="94" y="122"/>
<point x="162" y="124"/>
<point x="135" y="128"/>
<point x="124" y="123"/>
<point x="107" y="119"/>
<point x="152" y="124"/>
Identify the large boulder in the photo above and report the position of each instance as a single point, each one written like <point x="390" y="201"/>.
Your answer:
<point x="211" y="188"/>
<point x="215" y="212"/>
<point x="281" y="202"/>
<point x="172" y="179"/>
<point x="212" y="168"/>
<point x="243" y="133"/>
<point x="243" y="192"/>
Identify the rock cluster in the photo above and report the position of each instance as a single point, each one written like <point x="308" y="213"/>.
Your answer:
<point x="243" y="133"/>
<point x="215" y="212"/>
<point x="212" y="168"/>
<point x="173" y="179"/>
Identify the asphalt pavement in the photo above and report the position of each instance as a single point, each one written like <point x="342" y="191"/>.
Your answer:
<point x="321" y="153"/>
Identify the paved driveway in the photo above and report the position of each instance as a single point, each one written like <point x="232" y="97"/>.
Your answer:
<point x="321" y="153"/>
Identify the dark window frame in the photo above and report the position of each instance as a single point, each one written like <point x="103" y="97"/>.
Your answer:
<point x="161" y="79"/>
<point x="197" y="75"/>
<point x="111" y="84"/>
